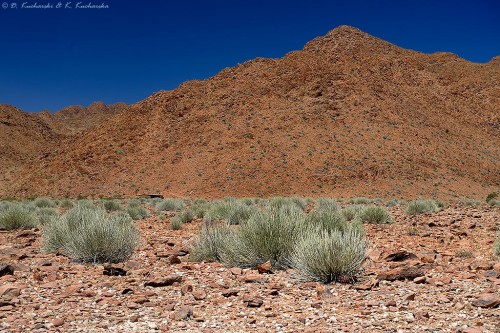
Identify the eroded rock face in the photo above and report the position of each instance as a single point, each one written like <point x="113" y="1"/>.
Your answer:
<point x="299" y="125"/>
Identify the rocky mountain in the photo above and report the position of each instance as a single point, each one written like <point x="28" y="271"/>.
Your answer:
<point x="350" y="114"/>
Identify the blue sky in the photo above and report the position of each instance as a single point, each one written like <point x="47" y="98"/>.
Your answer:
<point x="51" y="58"/>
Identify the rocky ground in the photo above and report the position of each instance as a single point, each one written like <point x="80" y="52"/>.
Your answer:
<point x="428" y="273"/>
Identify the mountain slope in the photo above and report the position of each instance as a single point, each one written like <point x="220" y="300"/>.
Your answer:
<point x="350" y="114"/>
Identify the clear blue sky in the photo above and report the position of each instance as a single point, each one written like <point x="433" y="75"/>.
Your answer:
<point x="51" y="58"/>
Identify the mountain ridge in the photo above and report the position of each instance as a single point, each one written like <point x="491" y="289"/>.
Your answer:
<point x="350" y="114"/>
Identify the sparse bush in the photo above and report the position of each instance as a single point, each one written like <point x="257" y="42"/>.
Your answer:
<point x="111" y="205"/>
<point x="88" y="234"/>
<point x="17" y="216"/>
<point x="494" y="202"/>
<point x="393" y="203"/>
<point x="45" y="215"/>
<point x="171" y="205"/>
<point x="66" y="204"/>
<point x="211" y="242"/>
<point x="491" y="196"/>
<point x="137" y="212"/>
<point x="473" y="203"/>
<point x="416" y="207"/>
<point x="330" y="256"/>
<point x="327" y="218"/>
<point x="351" y="212"/>
<point x="176" y="223"/>
<point x="375" y="214"/>
<point x="278" y="202"/>
<point x="44" y="203"/>
<point x="232" y="211"/>
<point x="360" y="201"/>
<point x="185" y="216"/>
<point x="328" y="204"/>
<point x="269" y="235"/>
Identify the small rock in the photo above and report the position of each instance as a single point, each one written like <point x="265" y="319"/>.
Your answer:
<point x="487" y="301"/>
<point x="410" y="297"/>
<point x="402" y="273"/>
<point x="236" y="271"/>
<point x="6" y="270"/>
<point x="185" y="312"/>
<point x="252" y="278"/>
<point x="265" y="267"/>
<point x="9" y="291"/>
<point x="187" y="288"/>
<point x="174" y="260"/>
<point x="421" y="315"/>
<point x="400" y="255"/>
<point x="168" y="281"/>
<point x="58" y="322"/>
<point x="230" y="292"/>
<point x="113" y="271"/>
<point x="199" y="294"/>
<point x="253" y="301"/>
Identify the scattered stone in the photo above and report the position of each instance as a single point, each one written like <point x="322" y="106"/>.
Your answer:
<point x="265" y="267"/>
<point x="174" y="260"/>
<point x="420" y="279"/>
<point x="58" y="322"/>
<point x="481" y="265"/>
<point x="230" y="292"/>
<point x="400" y="255"/>
<point x="184" y="313"/>
<point x="199" y="294"/>
<point x="253" y="301"/>
<point x="168" y="281"/>
<point x="252" y="278"/>
<point x="113" y="271"/>
<point x="6" y="269"/>
<point x="402" y="273"/>
<point x="9" y="291"/>
<point x="487" y="301"/>
<point x="187" y="288"/>
<point x="236" y="271"/>
<point x="410" y="297"/>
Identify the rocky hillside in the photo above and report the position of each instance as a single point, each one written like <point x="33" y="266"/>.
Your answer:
<point x="350" y="114"/>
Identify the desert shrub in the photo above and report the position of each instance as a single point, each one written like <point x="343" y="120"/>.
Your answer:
<point x="66" y="204"/>
<point x="278" y="202"/>
<point x="185" y="216"/>
<point x="360" y="201"/>
<point x="88" y="234"/>
<point x="232" y="211"/>
<point x="491" y="196"/>
<point x="199" y="208"/>
<point x="494" y="202"/>
<point x="268" y="235"/>
<point x="171" y="205"/>
<point x="211" y="242"/>
<point x="137" y="212"/>
<point x="351" y="212"/>
<point x="17" y="216"/>
<point x="328" y="204"/>
<point x="375" y="214"/>
<point x="176" y="223"/>
<point x="441" y="204"/>
<point x="45" y="215"/>
<point x="393" y="203"/>
<point x="4" y="205"/>
<point x="44" y="203"/>
<point x="473" y="203"/>
<point x="328" y="218"/>
<point x="330" y="256"/>
<point x="416" y="207"/>
<point x="84" y="203"/>
<point x="111" y="205"/>
<point x="121" y="217"/>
